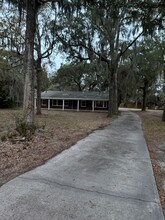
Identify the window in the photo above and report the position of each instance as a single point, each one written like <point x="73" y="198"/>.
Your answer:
<point x="60" y="102"/>
<point x="56" y="102"/>
<point x="44" y="102"/>
<point x="83" y="103"/>
<point x="101" y="104"/>
<point x="66" y="103"/>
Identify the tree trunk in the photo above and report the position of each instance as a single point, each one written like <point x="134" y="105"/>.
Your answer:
<point x="115" y="87"/>
<point x="114" y="44"/>
<point x="144" y="94"/>
<point x="111" y="90"/>
<point x="39" y="76"/>
<point x="163" y="116"/>
<point x="110" y="107"/>
<point x="28" y="102"/>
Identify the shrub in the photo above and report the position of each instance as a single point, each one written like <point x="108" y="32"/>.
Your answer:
<point x="3" y="138"/>
<point x="25" y="129"/>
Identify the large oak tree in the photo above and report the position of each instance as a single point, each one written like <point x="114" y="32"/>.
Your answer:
<point x="106" y="19"/>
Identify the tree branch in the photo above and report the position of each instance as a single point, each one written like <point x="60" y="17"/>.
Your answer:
<point x="122" y="52"/>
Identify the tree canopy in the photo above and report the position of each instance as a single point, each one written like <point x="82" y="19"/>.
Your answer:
<point x="99" y="33"/>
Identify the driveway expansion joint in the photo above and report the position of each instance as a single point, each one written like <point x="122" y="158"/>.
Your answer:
<point x="52" y="183"/>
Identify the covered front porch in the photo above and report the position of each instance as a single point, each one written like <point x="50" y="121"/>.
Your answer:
<point x="77" y="105"/>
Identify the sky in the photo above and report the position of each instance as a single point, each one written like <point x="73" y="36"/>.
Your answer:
<point x="56" y="61"/>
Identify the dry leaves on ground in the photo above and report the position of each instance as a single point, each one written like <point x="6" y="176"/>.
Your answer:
<point x="60" y="130"/>
<point x="57" y="131"/>
<point x="154" y="131"/>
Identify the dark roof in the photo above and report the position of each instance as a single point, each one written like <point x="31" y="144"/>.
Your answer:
<point x="74" y="95"/>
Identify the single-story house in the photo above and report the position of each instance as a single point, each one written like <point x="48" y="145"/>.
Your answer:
<point x="75" y="100"/>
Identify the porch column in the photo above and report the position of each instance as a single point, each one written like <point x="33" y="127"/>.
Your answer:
<point x="63" y="104"/>
<point x="48" y="104"/>
<point x="93" y="105"/>
<point x="78" y="108"/>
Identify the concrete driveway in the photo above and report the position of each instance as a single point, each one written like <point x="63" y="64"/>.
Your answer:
<point x="106" y="176"/>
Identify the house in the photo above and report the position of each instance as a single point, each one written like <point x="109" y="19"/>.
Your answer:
<point x="75" y="100"/>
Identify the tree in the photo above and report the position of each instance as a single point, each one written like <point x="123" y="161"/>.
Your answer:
<point x="11" y="67"/>
<point x="127" y="83"/>
<point x="148" y="66"/>
<point x="32" y="8"/>
<point x="31" y="11"/>
<point x="142" y="67"/>
<point x="163" y="73"/>
<point x="106" y="21"/>
<point x="28" y="102"/>
<point x="100" y="33"/>
<point x="43" y="45"/>
<point x="13" y="38"/>
<point x="11" y="79"/>
<point x="80" y="77"/>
